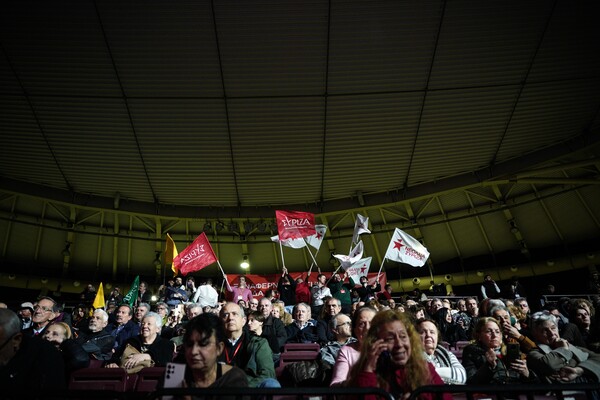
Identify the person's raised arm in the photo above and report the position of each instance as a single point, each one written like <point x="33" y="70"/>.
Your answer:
<point x="229" y="289"/>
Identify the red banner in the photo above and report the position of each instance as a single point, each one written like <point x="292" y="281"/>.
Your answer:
<point x="196" y="256"/>
<point x="259" y="284"/>
<point x="294" y="224"/>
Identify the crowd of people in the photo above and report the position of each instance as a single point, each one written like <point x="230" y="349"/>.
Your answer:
<point x="367" y="336"/>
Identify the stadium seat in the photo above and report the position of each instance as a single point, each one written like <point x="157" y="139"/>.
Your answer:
<point x="148" y="379"/>
<point x="114" y="379"/>
<point x="301" y="347"/>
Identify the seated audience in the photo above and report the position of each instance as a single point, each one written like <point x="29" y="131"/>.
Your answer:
<point x="45" y="310"/>
<point x="510" y="332"/>
<point x="304" y="329"/>
<point x="124" y="326"/>
<point x="79" y="318"/>
<point x="391" y="358"/>
<point x="273" y="329"/>
<point x="581" y="313"/>
<point x="446" y="364"/>
<point x="250" y="353"/>
<point x="96" y="341"/>
<point x="140" y="311"/>
<point x="341" y="326"/>
<point x="60" y="335"/>
<point x="203" y="344"/>
<point x="280" y="313"/>
<point x="150" y="348"/>
<point x="486" y="360"/>
<point x="555" y="360"/>
<point x="449" y="330"/>
<point x="27" y="364"/>
<point x="349" y="354"/>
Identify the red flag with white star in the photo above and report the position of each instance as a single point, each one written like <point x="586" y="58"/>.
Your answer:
<point x="196" y="256"/>
<point x="294" y="224"/>
<point x="406" y="249"/>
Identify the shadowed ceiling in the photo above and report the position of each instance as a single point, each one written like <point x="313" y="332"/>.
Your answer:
<point x="473" y="126"/>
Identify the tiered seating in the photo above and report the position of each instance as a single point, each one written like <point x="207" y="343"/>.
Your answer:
<point x="114" y="379"/>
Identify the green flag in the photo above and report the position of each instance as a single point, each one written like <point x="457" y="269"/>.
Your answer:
<point x="132" y="295"/>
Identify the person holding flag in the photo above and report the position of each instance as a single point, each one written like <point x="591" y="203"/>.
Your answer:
<point x="239" y="292"/>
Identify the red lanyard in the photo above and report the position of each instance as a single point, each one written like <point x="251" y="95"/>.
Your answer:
<point x="237" y="348"/>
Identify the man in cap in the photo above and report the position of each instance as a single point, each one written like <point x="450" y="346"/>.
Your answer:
<point x="25" y="313"/>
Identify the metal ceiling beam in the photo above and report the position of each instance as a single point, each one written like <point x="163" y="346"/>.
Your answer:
<point x="549" y="216"/>
<point x="482" y="229"/>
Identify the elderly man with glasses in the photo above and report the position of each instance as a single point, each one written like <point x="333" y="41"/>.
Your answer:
<point x="45" y="310"/>
<point x="341" y="326"/>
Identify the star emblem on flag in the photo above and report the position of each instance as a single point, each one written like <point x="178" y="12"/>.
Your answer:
<point x="398" y="244"/>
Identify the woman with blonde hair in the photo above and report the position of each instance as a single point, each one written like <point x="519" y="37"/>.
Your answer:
<point x="392" y="358"/>
<point x="279" y="312"/>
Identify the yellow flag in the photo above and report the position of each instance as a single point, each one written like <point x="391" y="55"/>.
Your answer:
<point x="170" y="253"/>
<point x="99" y="299"/>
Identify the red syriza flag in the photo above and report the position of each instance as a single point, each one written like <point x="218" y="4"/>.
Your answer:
<point x="294" y="224"/>
<point x="196" y="256"/>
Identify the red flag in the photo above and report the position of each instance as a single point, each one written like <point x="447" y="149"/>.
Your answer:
<point x="294" y="224"/>
<point x="196" y="256"/>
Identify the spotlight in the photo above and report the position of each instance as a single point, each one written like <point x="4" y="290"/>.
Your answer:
<point x="514" y="268"/>
<point x="12" y="277"/>
<point x="248" y="226"/>
<point x="513" y="226"/>
<point x="44" y="280"/>
<point x="245" y="264"/>
<point x="108" y="286"/>
<point x="590" y="256"/>
<point x="262" y="226"/>
<point x="448" y="278"/>
<point x="207" y="227"/>
<point x="416" y="281"/>
<point x="220" y="226"/>
<point x="233" y="227"/>
<point x="479" y="273"/>
<point x="550" y="263"/>
<point x="76" y="283"/>
<point x="157" y="259"/>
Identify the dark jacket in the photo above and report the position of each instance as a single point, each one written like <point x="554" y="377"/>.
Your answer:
<point x="365" y="293"/>
<point x="480" y="372"/>
<point x="37" y="366"/>
<point x="287" y="293"/>
<point x="309" y="334"/>
<point x="130" y="329"/>
<point x="98" y="345"/>
<point x="74" y="355"/>
<point x="274" y="332"/>
<point x="161" y="350"/>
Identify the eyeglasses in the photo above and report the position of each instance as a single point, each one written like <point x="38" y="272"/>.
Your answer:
<point x="44" y="309"/>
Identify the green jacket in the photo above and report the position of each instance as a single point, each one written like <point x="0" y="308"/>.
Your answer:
<point x="342" y="291"/>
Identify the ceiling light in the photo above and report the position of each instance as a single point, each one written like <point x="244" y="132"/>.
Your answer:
<point x="245" y="264"/>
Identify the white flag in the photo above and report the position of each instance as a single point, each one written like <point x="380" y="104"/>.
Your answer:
<point x="355" y="255"/>
<point x="298" y="243"/>
<point x="359" y="269"/>
<point x="361" y="225"/>
<point x="406" y="249"/>
<point x="316" y="239"/>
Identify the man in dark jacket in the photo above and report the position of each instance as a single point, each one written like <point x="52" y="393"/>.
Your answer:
<point x="96" y="341"/>
<point x="287" y="288"/>
<point x="124" y="326"/>
<point x="273" y="329"/>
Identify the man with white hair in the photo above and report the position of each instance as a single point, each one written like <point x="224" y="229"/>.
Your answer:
<point x="97" y="342"/>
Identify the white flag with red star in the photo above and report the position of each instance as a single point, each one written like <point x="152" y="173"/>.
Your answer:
<point x="314" y="240"/>
<point x="361" y="225"/>
<point x="406" y="249"/>
<point x="359" y="268"/>
<point x="355" y="255"/>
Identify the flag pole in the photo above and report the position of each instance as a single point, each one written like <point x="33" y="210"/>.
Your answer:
<point x="380" y="268"/>
<point x="310" y="252"/>
<point x="281" y="251"/>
